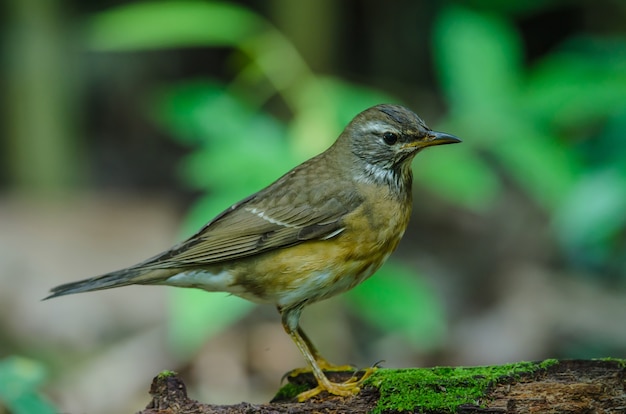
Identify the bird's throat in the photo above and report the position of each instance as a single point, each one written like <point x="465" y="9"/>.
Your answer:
<point x="398" y="178"/>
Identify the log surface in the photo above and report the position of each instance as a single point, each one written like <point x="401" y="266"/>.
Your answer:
<point x="577" y="386"/>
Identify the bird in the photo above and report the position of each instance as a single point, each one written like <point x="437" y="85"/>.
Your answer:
<point x="318" y="231"/>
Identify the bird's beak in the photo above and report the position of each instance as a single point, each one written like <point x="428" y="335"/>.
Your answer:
<point x="433" y="138"/>
<point x="439" y="138"/>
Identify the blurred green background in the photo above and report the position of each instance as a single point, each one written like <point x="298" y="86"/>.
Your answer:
<point x="128" y="125"/>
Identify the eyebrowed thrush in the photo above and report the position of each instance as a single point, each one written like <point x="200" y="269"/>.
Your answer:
<point x="319" y="230"/>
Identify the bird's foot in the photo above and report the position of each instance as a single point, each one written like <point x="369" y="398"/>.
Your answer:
<point x="343" y="389"/>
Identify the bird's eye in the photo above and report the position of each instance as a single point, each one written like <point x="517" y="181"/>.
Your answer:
<point x="390" y="138"/>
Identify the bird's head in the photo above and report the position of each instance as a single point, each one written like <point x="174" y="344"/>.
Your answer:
<point x="384" y="139"/>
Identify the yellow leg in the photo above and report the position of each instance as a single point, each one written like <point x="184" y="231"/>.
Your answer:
<point x="290" y="320"/>
<point x="321" y="361"/>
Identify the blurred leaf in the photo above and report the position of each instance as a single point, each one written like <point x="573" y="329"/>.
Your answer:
<point x="275" y="57"/>
<point x="575" y="87"/>
<point x="154" y="25"/>
<point x="237" y="146"/>
<point x="609" y="146"/>
<point x="479" y="60"/>
<point x="325" y="106"/>
<point x="19" y="379"/>
<point x="345" y="99"/>
<point x="459" y="176"/>
<point x="252" y="165"/>
<point x="593" y="216"/>
<point x="181" y="108"/>
<point x="395" y="299"/>
<point x="196" y="315"/>
<point x="541" y="163"/>
<point x="201" y="111"/>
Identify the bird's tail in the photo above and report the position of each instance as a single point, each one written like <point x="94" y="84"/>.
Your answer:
<point x="124" y="277"/>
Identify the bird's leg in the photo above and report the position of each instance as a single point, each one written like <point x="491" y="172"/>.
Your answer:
<point x="290" y="321"/>
<point x="321" y="361"/>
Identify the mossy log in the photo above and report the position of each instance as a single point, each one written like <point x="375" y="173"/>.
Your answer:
<point x="551" y="386"/>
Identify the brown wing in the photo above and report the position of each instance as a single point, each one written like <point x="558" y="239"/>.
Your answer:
<point x="265" y="221"/>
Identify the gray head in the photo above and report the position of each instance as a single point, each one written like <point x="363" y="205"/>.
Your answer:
<point x="384" y="139"/>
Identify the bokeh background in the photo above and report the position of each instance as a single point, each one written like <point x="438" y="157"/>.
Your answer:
<point x="127" y="125"/>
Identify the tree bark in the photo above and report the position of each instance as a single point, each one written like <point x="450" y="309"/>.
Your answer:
<point x="575" y="386"/>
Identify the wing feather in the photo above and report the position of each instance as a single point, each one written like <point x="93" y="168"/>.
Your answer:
<point x="256" y="225"/>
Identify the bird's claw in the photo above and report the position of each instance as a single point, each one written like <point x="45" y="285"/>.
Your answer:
<point x="344" y="389"/>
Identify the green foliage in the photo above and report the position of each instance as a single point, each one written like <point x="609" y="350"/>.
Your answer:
<point x="461" y="177"/>
<point x="157" y="25"/>
<point x="479" y="57"/>
<point x="196" y="315"/>
<point x="19" y="380"/>
<point x="529" y="121"/>
<point x="529" y="125"/>
<point x="479" y="60"/>
<point x="232" y="141"/>
<point x="581" y="83"/>
<point x="589" y="230"/>
<point x="396" y="300"/>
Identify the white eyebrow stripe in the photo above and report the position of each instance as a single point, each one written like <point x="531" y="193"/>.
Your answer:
<point x="377" y="126"/>
<point x="265" y="217"/>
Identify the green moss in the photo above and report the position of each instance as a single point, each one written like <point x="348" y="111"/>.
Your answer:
<point x="166" y="373"/>
<point x="547" y="363"/>
<point x="620" y="361"/>
<point x="289" y="391"/>
<point x="441" y="389"/>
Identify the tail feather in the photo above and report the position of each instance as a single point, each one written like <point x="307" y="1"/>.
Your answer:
<point x="125" y="277"/>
